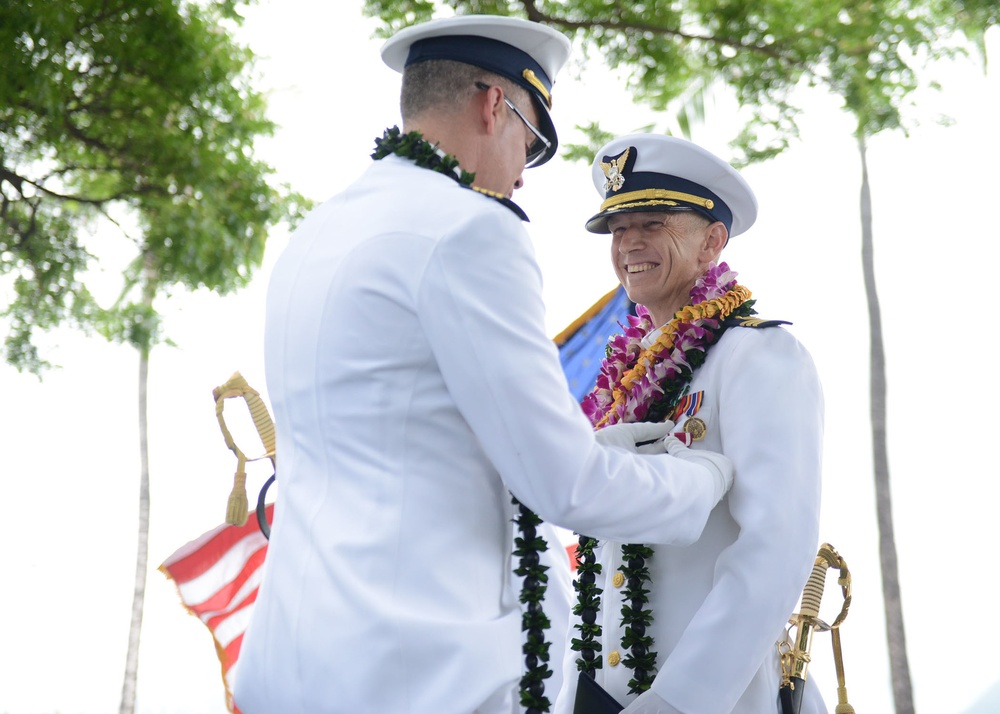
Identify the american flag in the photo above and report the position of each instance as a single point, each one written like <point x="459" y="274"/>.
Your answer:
<point x="217" y="577"/>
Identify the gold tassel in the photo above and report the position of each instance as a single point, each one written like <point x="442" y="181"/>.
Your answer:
<point x="237" y="510"/>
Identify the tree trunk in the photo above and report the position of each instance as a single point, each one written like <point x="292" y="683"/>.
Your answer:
<point x="142" y="548"/>
<point x="902" y="689"/>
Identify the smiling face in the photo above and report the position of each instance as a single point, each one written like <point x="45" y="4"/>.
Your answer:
<point x="658" y="256"/>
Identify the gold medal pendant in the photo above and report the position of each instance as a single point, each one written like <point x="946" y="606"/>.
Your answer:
<point x="696" y="428"/>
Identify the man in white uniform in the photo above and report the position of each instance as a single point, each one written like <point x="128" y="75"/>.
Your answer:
<point x="415" y="391"/>
<point x="694" y="625"/>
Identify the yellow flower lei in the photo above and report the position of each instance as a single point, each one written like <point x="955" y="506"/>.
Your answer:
<point x="721" y="306"/>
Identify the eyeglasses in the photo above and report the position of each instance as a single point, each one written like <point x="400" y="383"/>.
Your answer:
<point x="539" y="146"/>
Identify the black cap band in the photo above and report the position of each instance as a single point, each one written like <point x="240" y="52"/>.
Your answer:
<point x="492" y="55"/>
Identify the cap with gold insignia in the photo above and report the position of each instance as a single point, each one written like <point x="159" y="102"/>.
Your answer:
<point x="527" y="53"/>
<point x="654" y="172"/>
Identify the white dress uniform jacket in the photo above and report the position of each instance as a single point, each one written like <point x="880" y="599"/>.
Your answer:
<point x="413" y="388"/>
<point x="720" y="604"/>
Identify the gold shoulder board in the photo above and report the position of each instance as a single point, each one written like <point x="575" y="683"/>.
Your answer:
<point x="754" y="322"/>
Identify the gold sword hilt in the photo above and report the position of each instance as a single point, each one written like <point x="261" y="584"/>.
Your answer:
<point x="796" y="657"/>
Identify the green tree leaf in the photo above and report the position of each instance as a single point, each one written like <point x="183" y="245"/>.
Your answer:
<point x="138" y="108"/>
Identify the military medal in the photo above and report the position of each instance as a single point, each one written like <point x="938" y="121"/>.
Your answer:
<point x="689" y="405"/>
<point x="696" y="428"/>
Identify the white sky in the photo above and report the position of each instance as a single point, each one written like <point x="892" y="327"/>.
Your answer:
<point x="70" y="445"/>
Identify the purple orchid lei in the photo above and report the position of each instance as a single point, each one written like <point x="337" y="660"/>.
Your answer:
<point x="635" y="380"/>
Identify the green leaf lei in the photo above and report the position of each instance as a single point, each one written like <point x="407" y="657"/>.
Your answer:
<point x="413" y="146"/>
<point x="534" y="622"/>
<point x="641" y="657"/>
<point x="635" y="615"/>
<point x="587" y="608"/>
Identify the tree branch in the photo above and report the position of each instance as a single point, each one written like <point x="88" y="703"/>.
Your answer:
<point x="18" y="181"/>
<point x="533" y="13"/>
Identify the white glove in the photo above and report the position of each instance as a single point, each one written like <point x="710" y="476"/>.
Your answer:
<point x="649" y="702"/>
<point x="717" y="464"/>
<point x="626" y="436"/>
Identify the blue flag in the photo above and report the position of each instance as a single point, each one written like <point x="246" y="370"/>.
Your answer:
<point x="582" y="344"/>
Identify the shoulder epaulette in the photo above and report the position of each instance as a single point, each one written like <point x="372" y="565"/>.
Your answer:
<point x="753" y="322"/>
<point x="499" y="197"/>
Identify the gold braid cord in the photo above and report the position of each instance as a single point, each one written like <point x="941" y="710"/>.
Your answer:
<point x="795" y="655"/>
<point x="237" y="508"/>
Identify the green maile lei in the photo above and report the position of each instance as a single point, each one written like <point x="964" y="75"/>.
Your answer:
<point x="414" y="147"/>
<point x="424" y="154"/>
<point x="528" y="547"/>
<point x="650" y="393"/>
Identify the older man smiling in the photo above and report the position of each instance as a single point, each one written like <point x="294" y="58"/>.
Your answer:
<point x="692" y="628"/>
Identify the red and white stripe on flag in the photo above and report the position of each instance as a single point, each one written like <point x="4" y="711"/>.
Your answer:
<point x="217" y="577"/>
